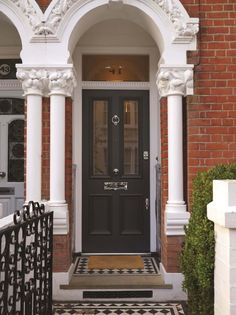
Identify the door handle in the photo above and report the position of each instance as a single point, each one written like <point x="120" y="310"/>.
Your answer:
<point x="116" y="171"/>
<point x="2" y="174"/>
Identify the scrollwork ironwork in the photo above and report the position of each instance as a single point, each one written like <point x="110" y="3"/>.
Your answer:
<point x="26" y="263"/>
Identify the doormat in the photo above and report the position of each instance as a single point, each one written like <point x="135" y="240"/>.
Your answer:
<point x="149" y="263"/>
<point x="115" y="262"/>
<point x="118" y="308"/>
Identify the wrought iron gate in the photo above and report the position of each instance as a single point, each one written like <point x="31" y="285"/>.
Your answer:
<point x="26" y="263"/>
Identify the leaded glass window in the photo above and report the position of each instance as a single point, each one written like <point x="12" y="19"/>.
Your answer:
<point x="16" y="151"/>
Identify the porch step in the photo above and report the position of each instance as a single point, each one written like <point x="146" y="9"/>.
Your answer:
<point x="106" y="282"/>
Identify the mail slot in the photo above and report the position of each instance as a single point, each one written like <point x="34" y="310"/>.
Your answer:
<point x="7" y="191"/>
<point x="115" y="185"/>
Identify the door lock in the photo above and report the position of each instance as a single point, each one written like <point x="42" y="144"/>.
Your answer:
<point x="145" y="155"/>
<point x="2" y="174"/>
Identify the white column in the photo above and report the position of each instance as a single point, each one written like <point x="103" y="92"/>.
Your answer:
<point x="61" y="84"/>
<point x="33" y="147"/>
<point x="57" y="149"/>
<point x="175" y="154"/>
<point x="175" y="83"/>
<point x="33" y="86"/>
<point x="222" y="211"/>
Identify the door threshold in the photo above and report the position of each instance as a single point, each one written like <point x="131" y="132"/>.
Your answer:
<point x="114" y="254"/>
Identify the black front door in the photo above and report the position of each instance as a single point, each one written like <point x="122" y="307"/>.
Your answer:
<point x="115" y="171"/>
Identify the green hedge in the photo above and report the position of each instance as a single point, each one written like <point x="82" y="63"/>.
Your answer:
<point x="197" y="258"/>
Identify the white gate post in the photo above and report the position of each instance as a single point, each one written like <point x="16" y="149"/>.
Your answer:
<point x="222" y="211"/>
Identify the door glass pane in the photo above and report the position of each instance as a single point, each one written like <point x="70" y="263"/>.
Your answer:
<point x="131" y="138"/>
<point x="16" y="151"/>
<point x="100" y="137"/>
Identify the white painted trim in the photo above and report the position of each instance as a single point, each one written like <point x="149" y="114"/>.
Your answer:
<point x="97" y="85"/>
<point x="176" y="280"/>
<point x="6" y="221"/>
<point x="10" y="85"/>
<point x="60" y="278"/>
<point x="154" y="127"/>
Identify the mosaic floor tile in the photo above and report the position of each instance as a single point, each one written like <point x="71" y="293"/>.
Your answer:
<point x="119" y="308"/>
<point x="150" y="267"/>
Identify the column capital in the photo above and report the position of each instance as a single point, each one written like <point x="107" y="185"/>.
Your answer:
<point x="33" y="81"/>
<point x="61" y="81"/>
<point x="175" y="80"/>
<point x="46" y="80"/>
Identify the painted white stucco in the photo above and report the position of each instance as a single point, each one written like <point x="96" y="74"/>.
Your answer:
<point x="222" y="211"/>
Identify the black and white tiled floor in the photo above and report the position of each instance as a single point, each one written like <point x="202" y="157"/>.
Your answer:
<point x="150" y="268"/>
<point x="119" y="309"/>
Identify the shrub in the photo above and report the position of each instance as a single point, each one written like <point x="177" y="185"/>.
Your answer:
<point x="198" y="255"/>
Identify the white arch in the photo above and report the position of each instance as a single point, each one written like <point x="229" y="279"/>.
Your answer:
<point x="18" y="18"/>
<point x="166" y="21"/>
<point x="65" y="21"/>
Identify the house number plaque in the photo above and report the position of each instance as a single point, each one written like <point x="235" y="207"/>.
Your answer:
<point x="5" y="69"/>
<point x="8" y="68"/>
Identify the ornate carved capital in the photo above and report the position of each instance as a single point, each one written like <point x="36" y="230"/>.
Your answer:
<point x="61" y="82"/>
<point x="33" y="81"/>
<point x="175" y="81"/>
<point x="46" y="80"/>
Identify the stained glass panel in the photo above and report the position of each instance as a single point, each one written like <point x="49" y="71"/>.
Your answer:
<point x="11" y="106"/>
<point x="16" y="151"/>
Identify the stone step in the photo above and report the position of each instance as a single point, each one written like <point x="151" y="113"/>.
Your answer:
<point x="112" y="282"/>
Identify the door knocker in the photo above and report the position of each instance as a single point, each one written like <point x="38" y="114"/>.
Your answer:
<point x="115" y="120"/>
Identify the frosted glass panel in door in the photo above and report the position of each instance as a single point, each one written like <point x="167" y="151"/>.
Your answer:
<point x="100" y="137"/>
<point x="131" y="137"/>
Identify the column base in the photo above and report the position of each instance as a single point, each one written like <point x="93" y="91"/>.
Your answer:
<point x="61" y="218"/>
<point x="176" y="217"/>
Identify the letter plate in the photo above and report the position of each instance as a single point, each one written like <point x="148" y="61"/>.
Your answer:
<point x="115" y="185"/>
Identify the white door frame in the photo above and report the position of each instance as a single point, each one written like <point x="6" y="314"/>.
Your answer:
<point x="10" y="89"/>
<point x="77" y="128"/>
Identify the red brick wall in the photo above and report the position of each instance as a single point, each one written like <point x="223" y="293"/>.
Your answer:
<point x="211" y="112"/>
<point x="171" y="245"/>
<point x="62" y="243"/>
<point x="43" y="4"/>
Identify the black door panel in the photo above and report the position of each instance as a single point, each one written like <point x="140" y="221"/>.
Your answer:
<point x="115" y="175"/>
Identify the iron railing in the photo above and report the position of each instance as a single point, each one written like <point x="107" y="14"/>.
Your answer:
<point x="26" y="263"/>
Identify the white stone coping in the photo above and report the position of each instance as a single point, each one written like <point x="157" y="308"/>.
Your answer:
<point x="6" y="221"/>
<point x="222" y="210"/>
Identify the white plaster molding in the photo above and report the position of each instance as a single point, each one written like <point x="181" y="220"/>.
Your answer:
<point x="33" y="80"/>
<point x="115" y="85"/>
<point x="8" y="85"/>
<point x="185" y="28"/>
<point x="44" y="79"/>
<point x="175" y="221"/>
<point x="30" y="11"/>
<point x="61" y="82"/>
<point x="60" y="218"/>
<point x="173" y="80"/>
